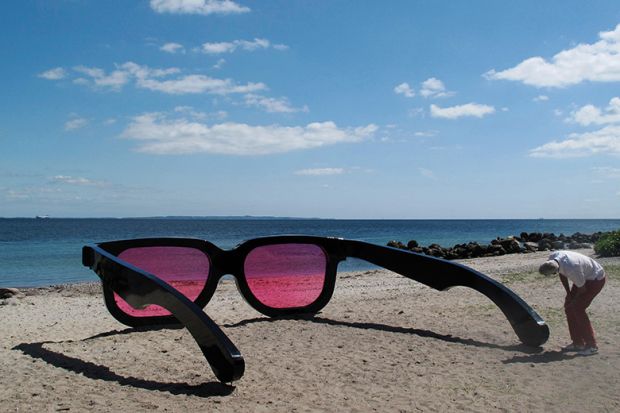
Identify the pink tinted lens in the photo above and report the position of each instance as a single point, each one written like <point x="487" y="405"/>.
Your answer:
<point x="184" y="268"/>
<point x="286" y="275"/>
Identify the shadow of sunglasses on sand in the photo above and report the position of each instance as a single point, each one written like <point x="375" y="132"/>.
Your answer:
<point x="98" y="372"/>
<point x="392" y="329"/>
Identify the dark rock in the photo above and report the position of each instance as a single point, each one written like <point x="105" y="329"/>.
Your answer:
<point x="396" y="244"/>
<point x="412" y="244"/>
<point x="535" y="237"/>
<point x="510" y="245"/>
<point x="8" y="292"/>
<point x="496" y="249"/>
<point x="544" y="244"/>
<point x="531" y="246"/>
<point x="578" y="245"/>
<point x="557" y="245"/>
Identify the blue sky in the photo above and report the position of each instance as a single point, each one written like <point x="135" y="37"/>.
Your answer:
<point x="335" y="109"/>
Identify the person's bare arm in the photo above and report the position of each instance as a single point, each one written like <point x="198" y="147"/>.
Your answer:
<point x="565" y="284"/>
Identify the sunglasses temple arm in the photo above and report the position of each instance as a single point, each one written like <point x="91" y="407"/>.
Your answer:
<point x="442" y="275"/>
<point x="140" y="289"/>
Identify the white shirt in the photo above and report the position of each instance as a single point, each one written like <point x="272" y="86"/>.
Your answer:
<point x="577" y="267"/>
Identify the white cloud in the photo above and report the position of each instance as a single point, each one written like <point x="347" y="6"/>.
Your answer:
<point x="172" y="48"/>
<point x="416" y="112"/>
<point x="53" y="74"/>
<point x="203" y="7"/>
<point x="427" y="173"/>
<point x="405" y="90"/>
<point x="115" y="80"/>
<point x="597" y="62"/>
<point x="434" y="88"/>
<point x="219" y="64"/>
<point x="320" y="171"/>
<point x="75" y="123"/>
<point x="470" y="109"/>
<point x="541" y="98"/>
<point x="78" y="181"/>
<point x="159" y="80"/>
<point x="192" y="84"/>
<point x="426" y="134"/>
<point x="157" y="134"/>
<point x="197" y="115"/>
<point x="247" y="45"/>
<point x="607" y="171"/>
<point x="272" y="105"/>
<point x="590" y="114"/>
<point x="603" y="141"/>
<point x="281" y="47"/>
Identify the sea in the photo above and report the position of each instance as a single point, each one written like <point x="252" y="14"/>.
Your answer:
<point x="47" y="251"/>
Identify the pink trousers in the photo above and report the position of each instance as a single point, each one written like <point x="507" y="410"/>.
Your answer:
<point x="581" y="331"/>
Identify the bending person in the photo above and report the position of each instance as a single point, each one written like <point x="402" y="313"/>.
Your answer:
<point x="588" y="278"/>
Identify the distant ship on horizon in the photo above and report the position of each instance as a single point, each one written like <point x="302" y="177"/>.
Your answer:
<point x="41" y="217"/>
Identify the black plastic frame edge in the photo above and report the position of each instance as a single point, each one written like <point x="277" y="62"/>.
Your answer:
<point x="140" y="289"/>
<point x="434" y="272"/>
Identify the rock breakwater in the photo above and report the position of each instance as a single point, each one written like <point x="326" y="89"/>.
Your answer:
<point x="522" y="244"/>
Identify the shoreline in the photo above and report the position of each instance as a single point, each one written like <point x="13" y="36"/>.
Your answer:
<point x="495" y="265"/>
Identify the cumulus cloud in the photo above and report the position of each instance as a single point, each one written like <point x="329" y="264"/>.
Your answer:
<point x="114" y="80"/>
<point x="434" y="88"/>
<point x="272" y="105"/>
<point x="203" y="7"/>
<point x="320" y="171"/>
<point x="541" y="98"/>
<point x="404" y="89"/>
<point x="161" y="80"/>
<point x="590" y="114"/>
<point x="192" y="84"/>
<point x="603" y="141"/>
<point x="156" y="133"/>
<point x="247" y="45"/>
<point x="172" y="48"/>
<point x="75" y="123"/>
<point x="596" y="62"/>
<point x="56" y="73"/>
<point x="468" y="110"/>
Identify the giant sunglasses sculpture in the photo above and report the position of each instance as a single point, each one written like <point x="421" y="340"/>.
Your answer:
<point x="158" y="281"/>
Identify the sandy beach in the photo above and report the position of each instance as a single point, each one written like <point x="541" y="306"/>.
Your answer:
<point x="384" y="343"/>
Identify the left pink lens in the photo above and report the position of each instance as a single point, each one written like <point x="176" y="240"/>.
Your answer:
<point x="184" y="268"/>
<point x="286" y="275"/>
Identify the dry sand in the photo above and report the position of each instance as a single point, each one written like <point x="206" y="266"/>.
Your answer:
<point x="384" y="343"/>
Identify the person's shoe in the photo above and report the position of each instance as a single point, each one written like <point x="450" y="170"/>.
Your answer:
<point x="572" y="347"/>
<point x="588" y="351"/>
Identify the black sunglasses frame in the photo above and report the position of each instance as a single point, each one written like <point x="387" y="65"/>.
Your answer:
<point x="139" y="288"/>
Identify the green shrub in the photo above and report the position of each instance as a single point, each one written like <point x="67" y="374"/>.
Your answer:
<point x="608" y="245"/>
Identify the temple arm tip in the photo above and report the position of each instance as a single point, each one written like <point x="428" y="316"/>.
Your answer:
<point x="532" y="333"/>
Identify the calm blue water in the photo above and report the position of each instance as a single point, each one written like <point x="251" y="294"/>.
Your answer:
<point x="48" y="251"/>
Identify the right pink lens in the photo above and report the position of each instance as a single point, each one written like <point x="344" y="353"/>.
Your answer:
<point x="184" y="268"/>
<point x="286" y="275"/>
